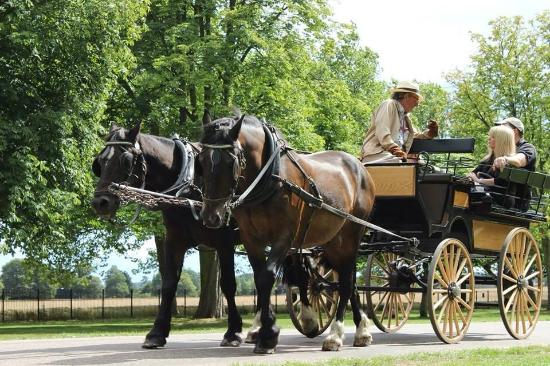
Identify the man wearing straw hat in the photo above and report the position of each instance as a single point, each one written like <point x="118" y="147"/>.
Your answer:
<point x="391" y="132"/>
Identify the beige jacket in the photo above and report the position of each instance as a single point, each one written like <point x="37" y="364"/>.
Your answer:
<point x="383" y="133"/>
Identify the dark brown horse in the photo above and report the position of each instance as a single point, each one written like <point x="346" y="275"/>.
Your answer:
<point x="164" y="165"/>
<point x="245" y="160"/>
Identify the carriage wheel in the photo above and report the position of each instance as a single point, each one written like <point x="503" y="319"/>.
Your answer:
<point x="519" y="283"/>
<point x="451" y="290"/>
<point x="324" y="301"/>
<point x="388" y="310"/>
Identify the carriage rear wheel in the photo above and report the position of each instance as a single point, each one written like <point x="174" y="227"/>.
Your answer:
<point x="451" y="290"/>
<point x="519" y="283"/>
<point x="323" y="300"/>
<point x="388" y="310"/>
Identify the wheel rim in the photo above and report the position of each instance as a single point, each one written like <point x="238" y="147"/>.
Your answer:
<point x="520" y="283"/>
<point x="388" y="310"/>
<point x="323" y="301"/>
<point x="451" y="290"/>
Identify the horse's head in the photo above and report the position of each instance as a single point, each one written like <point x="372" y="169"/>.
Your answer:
<point x="221" y="163"/>
<point x="121" y="161"/>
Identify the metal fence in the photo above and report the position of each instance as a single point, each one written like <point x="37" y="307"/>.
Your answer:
<point x="32" y="305"/>
<point x="16" y="306"/>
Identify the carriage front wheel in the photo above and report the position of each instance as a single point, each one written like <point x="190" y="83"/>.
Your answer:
<point x="519" y="283"/>
<point x="388" y="310"/>
<point x="322" y="298"/>
<point x="451" y="290"/>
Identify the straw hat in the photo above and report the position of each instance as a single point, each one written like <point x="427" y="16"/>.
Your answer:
<point x="407" y="87"/>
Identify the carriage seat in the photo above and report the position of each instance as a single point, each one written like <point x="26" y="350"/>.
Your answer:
<point x="508" y="202"/>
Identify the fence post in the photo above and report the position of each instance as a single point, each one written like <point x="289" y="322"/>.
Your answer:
<point x="102" y="303"/>
<point x="131" y="303"/>
<point x="71" y="302"/>
<point x="38" y="303"/>
<point x="158" y="294"/>
<point x="185" y="303"/>
<point x="3" y="302"/>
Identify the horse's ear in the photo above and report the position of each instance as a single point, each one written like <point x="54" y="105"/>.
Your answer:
<point x="206" y="119"/>
<point x="134" y="132"/>
<point x="96" y="168"/>
<point x="234" y="131"/>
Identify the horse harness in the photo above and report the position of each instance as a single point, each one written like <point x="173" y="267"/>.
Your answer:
<point x="266" y="183"/>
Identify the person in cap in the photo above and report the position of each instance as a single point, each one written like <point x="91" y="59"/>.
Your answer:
<point x="525" y="157"/>
<point x="391" y="132"/>
<point x="526" y="154"/>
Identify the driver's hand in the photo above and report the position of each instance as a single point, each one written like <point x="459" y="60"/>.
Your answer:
<point x="473" y="177"/>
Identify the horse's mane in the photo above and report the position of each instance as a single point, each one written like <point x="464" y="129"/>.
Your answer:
<point x="121" y="134"/>
<point x="217" y="131"/>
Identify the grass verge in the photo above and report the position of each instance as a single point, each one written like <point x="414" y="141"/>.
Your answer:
<point x="114" y="327"/>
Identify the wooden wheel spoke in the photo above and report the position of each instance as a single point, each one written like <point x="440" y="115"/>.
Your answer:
<point x="461" y="267"/>
<point x="532" y="275"/>
<point x="511" y="300"/>
<point x="511" y="288"/>
<point x="466" y="290"/>
<point x="459" y="311"/>
<point x="382" y="266"/>
<point x="530" y="300"/>
<point x="513" y="280"/>
<point x="457" y="325"/>
<point x="528" y="266"/>
<point x="510" y="267"/>
<point x="451" y="264"/>
<point x="445" y="267"/>
<point x="462" y="279"/>
<point x="443" y="311"/>
<point x="441" y="281"/>
<point x="402" y="308"/>
<point x="531" y="288"/>
<point x="464" y="303"/>
<point x="380" y="301"/>
<point x="440" y="291"/>
<point x="526" y="255"/>
<point x="441" y="301"/>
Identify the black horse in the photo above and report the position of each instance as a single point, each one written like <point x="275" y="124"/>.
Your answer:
<point x="164" y="165"/>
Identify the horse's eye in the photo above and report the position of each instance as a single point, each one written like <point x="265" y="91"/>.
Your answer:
<point x="126" y="160"/>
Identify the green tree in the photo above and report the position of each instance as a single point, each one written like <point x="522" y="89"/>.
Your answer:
<point x="23" y="280"/>
<point x="116" y="284"/>
<point x="88" y="288"/>
<point x="508" y="76"/>
<point x="59" y="61"/>
<point x="245" y="284"/>
<point x="186" y="283"/>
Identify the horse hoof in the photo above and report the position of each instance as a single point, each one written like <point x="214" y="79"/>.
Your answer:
<point x="251" y="337"/>
<point x="231" y="342"/>
<point x="311" y="333"/>
<point x="263" y="351"/>
<point x="331" y="346"/>
<point x="362" y="341"/>
<point x="152" y="343"/>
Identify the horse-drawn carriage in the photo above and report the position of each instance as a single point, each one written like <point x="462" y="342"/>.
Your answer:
<point x="453" y="221"/>
<point x="427" y="224"/>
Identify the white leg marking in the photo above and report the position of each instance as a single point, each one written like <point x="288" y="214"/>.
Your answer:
<point x="362" y="335"/>
<point x="335" y="339"/>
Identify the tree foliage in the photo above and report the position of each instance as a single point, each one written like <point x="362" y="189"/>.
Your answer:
<point x="116" y="283"/>
<point x="58" y="64"/>
<point x="508" y="76"/>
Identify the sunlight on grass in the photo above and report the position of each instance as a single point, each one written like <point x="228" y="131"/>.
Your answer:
<point x="518" y="356"/>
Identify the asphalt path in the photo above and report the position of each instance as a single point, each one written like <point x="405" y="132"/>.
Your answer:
<point x="203" y="349"/>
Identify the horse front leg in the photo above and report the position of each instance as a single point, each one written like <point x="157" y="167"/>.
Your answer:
<point x="257" y="262"/>
<point x="268" y="336"/>
<point x="228" y="284"/>
<point x="174" y="251"/>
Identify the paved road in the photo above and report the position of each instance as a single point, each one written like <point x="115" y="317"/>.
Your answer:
<point x="203" y="349"/>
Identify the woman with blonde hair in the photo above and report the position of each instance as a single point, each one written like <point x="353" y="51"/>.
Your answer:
<point x="500" y="143"/>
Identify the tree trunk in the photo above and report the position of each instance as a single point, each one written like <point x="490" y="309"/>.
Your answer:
<point x="159" y="243"/>
<point x="210" y="299"/>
